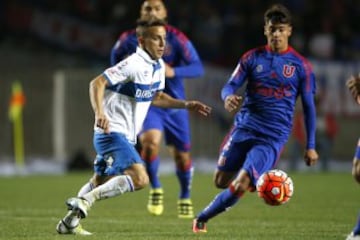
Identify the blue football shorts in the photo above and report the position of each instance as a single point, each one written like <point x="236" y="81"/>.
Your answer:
<point x="115" y="154"/>
<point x="243" y="149"/>
<point x="174" y="123"/>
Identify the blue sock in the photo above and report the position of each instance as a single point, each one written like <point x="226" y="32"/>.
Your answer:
<point x="152" y="167"/>
<point x="185" y="178"/>
<point x="357" y="227"/>
<point x="221" y="203"/>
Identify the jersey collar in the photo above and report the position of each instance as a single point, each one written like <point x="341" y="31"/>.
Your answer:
<point x="145" y="55"/>
<point x="268" y="49"/>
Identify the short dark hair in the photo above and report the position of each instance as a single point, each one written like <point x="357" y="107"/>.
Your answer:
<point x="277" y="14"/>
<point x="142" y="24"/>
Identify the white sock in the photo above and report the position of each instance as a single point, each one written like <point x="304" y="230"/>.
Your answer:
<point x="71" y="219"/>
<point x="115" y="186"/>
<point x="85" y="189"/>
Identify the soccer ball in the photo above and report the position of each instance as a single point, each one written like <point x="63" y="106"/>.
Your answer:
<point x="275" y="187"/>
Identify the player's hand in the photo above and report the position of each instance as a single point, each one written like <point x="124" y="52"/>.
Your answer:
<point x="232" y="103"/>
<point x="353" y="83"/>
<point x="169" y="71"/>
<point x="311" y="157"/>
<point x="198" y="107"/>
<point x="102" y="122"/>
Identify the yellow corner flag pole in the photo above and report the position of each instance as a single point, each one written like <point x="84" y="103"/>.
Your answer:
<point x="17" y="103"/>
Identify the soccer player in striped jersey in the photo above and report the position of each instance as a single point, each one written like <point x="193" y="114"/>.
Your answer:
<point x="182" y="62"/>
<point x="120" y="98"/>
<point x="275" y="75"/>
<point x="354" y="86"/>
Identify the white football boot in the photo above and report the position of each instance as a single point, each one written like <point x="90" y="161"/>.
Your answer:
<point x="80" y="204"/>
<point x="61" y="228"/>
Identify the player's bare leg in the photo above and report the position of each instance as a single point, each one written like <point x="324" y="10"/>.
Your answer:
<point x="223" y="179"/>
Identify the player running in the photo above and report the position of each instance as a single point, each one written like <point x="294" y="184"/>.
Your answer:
<point x="182" y="61"/>
<point x="120" y="98"/>
<point x="276" y="75"/>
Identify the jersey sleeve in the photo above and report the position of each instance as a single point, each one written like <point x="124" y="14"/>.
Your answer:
<point x="307" y="91"/>
<point x="119" y="73"/>
<point x="237" y="78"/>
<point x="193" y="66"/>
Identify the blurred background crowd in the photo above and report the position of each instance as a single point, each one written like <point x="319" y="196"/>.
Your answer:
<point x="221" y="30"/>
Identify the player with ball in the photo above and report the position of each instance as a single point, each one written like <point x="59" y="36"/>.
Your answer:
<point x="275" y="75"/>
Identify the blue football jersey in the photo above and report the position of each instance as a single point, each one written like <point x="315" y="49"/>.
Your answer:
<point x="274" y="81"/>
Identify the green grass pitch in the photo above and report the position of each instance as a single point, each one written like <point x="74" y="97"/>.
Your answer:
<point x="324" y="206"/>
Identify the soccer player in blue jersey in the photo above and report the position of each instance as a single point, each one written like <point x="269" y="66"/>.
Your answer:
<point x="120" y="98"/>
<point x="354" y="86"/>
<point x="182" y="61"/>
<point x="276" y="75"/>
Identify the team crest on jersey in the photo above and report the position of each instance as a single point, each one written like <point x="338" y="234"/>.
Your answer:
<point x="288" y="71"/>
<point x="259" y="68"/>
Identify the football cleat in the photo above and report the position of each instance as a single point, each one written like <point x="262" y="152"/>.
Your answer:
<point x="185" y="208"/>
<point x="155" y="205"/>
<point x="351" y="236"/>
<point x="199" y="227"/>
<point x="62" y="228"/>
<point x="80" y="204"/>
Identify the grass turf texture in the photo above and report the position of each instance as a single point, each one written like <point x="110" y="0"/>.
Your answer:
<point x="324" y="206"/>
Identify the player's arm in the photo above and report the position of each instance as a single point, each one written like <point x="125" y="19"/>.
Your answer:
<point x="164" y="100"/>
<point x="96" y="92"/>
<point x="193" y="66"/>
<point x="308" y="88"/>
<point x="232" y="101"/>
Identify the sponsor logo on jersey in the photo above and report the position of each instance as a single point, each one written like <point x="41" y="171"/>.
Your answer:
<point x="144" y="94"/>
<point x="278" y="93"/>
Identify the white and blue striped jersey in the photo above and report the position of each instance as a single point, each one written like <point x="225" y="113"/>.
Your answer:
<point x="132" y="84"/>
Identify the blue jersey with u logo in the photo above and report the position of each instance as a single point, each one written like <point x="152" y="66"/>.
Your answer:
<point x="274" y="81"/>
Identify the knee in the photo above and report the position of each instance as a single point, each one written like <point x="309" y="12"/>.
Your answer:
<point x="238" y="187"/>
<point x="241" y="184"/>
<point x="219" y="183"/>
<point x="140" y="181"/>
<point x="98" y="180"/>
<point x="182" y="160"/>
<point x="149" y="148"/>
<point x="222" y="180"/>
